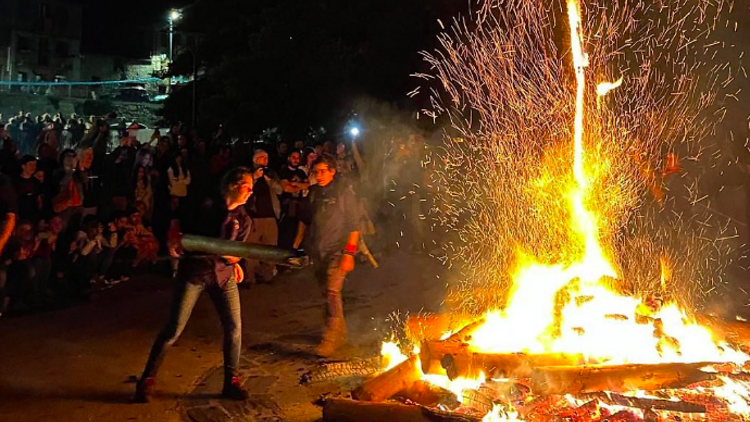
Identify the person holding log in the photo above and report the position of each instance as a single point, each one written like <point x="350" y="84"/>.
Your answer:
<point x="333" y="238"/>
<point x="217" y="275"/>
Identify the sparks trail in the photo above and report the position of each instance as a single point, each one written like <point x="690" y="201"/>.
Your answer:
<point x="511" y="93"/>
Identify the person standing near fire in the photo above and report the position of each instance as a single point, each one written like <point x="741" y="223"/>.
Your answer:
<point x="217" y="275"/>
<point x="333" y="222"/>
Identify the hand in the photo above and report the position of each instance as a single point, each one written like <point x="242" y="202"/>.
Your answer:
<point x="347" y="263"/>
<point x="258" y="174"/>
<point x="239" y="275"/>
<point x="175" y="248"/>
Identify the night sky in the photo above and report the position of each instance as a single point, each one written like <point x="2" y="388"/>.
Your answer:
<point x="113" y="26"/>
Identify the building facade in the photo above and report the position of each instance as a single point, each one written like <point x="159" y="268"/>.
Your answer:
<point x="40" y="40"/>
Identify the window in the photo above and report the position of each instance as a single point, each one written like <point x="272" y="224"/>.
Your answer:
<point x="62" y="49"/>
<point x="23" y="44"/>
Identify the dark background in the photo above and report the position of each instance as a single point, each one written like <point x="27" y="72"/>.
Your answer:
<point x="289" y="64"/>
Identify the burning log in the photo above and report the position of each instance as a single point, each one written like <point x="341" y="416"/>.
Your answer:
<point x="433" y="327"/>
<point x="463" y="335"/>
<point x="572" y="379"/>
<point x="427" y="394"/>
<point x="459" y="361"/>
<point x="390" y="382"/>
<point x="340" y="410"/>
<point x="647" y="403"/>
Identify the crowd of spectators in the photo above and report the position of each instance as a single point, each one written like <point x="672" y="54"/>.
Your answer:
<point x="93" y="204"/>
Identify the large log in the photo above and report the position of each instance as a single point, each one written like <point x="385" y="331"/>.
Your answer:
<point x="430" y="395"/>
<point x="214" y="246"/>
<point x="646" y="403"/>
<point x="435" y="326"/>
<point x="390" y="382"/>
<point x="616" y="378"/>
<point x="340" y="410"/>
<point x="458" y="360"/>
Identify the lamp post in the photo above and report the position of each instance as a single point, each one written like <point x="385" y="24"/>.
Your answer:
<point x="174" y="15"/>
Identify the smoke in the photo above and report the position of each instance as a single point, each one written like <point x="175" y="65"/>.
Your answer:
<point x="393" y="179"/>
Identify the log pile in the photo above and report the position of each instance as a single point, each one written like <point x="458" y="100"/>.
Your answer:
<point x="541" y="387"/>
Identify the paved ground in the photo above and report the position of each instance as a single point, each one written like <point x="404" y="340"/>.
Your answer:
<point x="78" y="364"/>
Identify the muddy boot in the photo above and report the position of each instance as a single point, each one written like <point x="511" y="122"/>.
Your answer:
<point x="333" y="338"/>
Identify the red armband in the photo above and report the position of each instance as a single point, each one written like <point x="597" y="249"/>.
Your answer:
<point x="350" y="249"/>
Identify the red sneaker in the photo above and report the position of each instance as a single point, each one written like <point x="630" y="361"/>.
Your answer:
<point x="233" y="390"/>
<point x="144" y="389"/>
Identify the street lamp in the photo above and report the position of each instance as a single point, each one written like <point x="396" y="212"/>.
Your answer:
<point x="174" y="16"/>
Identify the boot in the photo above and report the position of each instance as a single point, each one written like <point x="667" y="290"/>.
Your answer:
<point x="333" y="338"/>
<point x="144" y="389"/>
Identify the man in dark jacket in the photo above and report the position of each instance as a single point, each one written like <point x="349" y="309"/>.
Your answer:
<point x="333" y="237"/>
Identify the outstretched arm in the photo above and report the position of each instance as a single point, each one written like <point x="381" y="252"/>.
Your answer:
<point x="6" y="229"/>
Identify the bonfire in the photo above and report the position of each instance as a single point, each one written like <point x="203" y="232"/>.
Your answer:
<point x="567" y="343"/>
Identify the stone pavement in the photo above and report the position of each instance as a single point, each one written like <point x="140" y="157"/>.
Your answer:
<point x="273" y="372"/>
<point x="78" y="364"/>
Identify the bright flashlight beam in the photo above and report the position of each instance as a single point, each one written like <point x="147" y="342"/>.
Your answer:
<point x="354" y="131"/>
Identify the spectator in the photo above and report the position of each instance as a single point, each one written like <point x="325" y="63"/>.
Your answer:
<point x="264" y="210"/>
<point x="92" y="253"/>
<point x="68" y="201"/>
<point x="220" y="162"/>
<point x="28" y="191"/>
<point x="28" y="272"/>
<point x="122" y="173"/>
<point x="8" y="154"/>
<point x="308" y="158"/>
<point x="282" y="151"/>
<point x="319" y="148"/>
<point x="179" y="180"/>
<point x="294" y="183"/>
<point x="90" y="182"/>
<point x="344" y="163"/>
<point x="48" y="165"/>
<point x="142" y="191"/>
<point x="139" y="238"/>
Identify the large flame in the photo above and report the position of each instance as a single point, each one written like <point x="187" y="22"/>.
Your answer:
<point x="571" y="309"/>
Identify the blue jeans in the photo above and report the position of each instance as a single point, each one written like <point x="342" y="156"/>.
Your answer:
<point x="226" y="299"/>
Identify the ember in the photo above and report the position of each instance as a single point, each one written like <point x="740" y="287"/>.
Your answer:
<point x="567" y="343"/>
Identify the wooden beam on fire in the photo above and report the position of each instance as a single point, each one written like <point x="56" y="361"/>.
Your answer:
<point x="645" y="403"/>
<point x="458" y="360"/>
<point x="434" y="326"/>
<point x="342" y="410"/>
<point x="616" y="378"/>
<point x="390" y="382"/>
